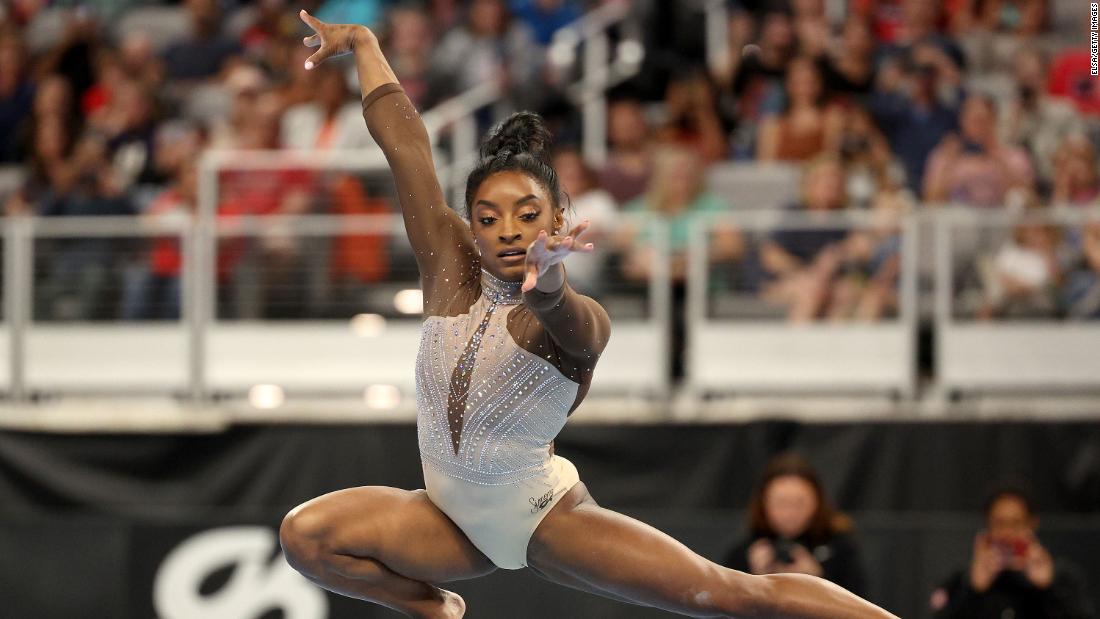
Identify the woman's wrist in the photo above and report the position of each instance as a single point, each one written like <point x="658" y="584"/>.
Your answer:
<point x="552" y="280"/>
<point x="364" y="38"/>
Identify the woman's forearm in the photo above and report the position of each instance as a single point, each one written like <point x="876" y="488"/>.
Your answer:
<point x="374" y="69"/>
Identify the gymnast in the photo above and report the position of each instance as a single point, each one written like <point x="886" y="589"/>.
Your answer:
<point x="506" y="353"/>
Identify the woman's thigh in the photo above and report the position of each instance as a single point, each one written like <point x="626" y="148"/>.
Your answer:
<point x="402" y="529"/>
<point x="622" y="558"/>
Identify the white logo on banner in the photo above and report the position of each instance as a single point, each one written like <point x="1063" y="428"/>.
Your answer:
<point x="257" y="584"/>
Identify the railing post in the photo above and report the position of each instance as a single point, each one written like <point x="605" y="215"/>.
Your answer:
<point x="18" y="293"/>
<point x="594" y="113"/>
<point x="200" y="274"/>
<point x="717" y="35"/>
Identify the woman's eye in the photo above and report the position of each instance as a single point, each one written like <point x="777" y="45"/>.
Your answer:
<point x="485" y="221"/>
<point x="529" y="216"/>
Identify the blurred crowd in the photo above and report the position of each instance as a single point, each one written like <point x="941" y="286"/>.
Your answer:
<point x="884" y="105"/>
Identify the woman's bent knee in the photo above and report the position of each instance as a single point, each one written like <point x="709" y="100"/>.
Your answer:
<point x="302" y="536"/>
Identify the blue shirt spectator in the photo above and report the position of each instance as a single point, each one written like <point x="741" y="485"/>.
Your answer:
<point x="545" y="17"/>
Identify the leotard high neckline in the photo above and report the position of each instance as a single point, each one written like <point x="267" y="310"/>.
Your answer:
<point x="500" y="292"/>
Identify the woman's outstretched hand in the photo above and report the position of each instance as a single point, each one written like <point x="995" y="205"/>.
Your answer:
<point x="334" y="39"/>
<point x="548" y="250"/>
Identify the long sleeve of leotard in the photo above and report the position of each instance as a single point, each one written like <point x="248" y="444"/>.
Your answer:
<point x="441" y="240"/>
<point x="576" y="323"/>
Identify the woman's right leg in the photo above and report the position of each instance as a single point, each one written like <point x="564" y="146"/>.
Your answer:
<point x="384" y="545"/>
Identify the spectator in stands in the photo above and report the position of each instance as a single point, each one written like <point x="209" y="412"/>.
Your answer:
<point x="489" y="47"/>
<point x="80" y="270"/>
<point x="992" y="30"/>
<point x="1081" y="294"/>
<point x="408" y="40"/>
<point x="848" y="69"/>
<point x="1071" y="76"/>
<point x="589" y="202"/>
<point x="16" y="93"/>
<point x="203" y="54"/>
<point x="129" y="124"/>
<point x="1019" y="279"/>
<point x="758" y="80"/>
<point x="545" y="17"/>
<point x="245" y="84"/>
<point x="626" y="173"/>
<point x="692" y="117"/>
<point x="1026" y="18"/>
<point x="793" y="528"/>
<point x="801" y="265"/>
<point x="152" y="289"/>
<point x="139" y="61"/>
<point x="1011" y="574"/>
<point x="973" y="167"/>
<point x="870" y="167"/>
<point x="807" y="125"/>
<point x="1076" y="178"/>
<point x="915" y="107"/>
<point x="676" y="195"/>
<point x="333" y="119"/>
<point x="1033" y="119"/>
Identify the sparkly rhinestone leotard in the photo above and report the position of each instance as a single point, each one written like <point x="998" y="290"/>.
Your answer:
<point x="498" y="371"/>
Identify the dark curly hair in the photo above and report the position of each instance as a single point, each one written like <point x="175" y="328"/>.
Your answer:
<point x="520" y="143"/>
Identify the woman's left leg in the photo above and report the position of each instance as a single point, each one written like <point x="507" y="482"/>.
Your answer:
<point x="622" y="558"/>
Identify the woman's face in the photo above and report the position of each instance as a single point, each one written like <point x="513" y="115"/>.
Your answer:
<point x="803" y="82"/>
<point x="789" y="505"/>
<point x="571" y="175"/>
<point x="507" y="214"/>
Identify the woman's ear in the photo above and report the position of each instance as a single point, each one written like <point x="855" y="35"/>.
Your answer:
<point x="559" y="220"/>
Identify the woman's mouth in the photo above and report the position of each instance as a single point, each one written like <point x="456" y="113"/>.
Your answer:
<point x="512" y="256"/>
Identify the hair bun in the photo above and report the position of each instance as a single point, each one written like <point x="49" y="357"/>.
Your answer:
<point x="522" y="132"/>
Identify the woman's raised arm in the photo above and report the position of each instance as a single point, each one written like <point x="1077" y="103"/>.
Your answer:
<point x="439" y="237"/>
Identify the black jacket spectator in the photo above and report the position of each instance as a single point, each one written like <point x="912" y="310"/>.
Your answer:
<point x="1013" y="595"/>
<point x="838" y="555"/>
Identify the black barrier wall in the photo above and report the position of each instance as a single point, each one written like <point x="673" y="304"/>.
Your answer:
<point x="184" y="526"/>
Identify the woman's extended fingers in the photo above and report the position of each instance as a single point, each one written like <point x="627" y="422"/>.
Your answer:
<point x="315" y="40"/>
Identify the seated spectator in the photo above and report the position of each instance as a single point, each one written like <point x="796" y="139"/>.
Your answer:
<point x="801" y="264"/>
<point x="974" y="168"/>
<point x="333" y="119"/>
<point x="245" y="85"/>
<point x="203" y="54"/>
<point x="676" y="195"/>
<point x="1071" y="76"/>
<point x="692" y="117"/>
<point x="1011" y="574"/>
<point x="80" y="270"/>
<point x="849" y="68"/>
<point x="16" y="93"/>
<point x="588" y="202"/>
<point x="1076" y="179"/>
<point x="1019" y="278"/>
<point x="1025" y="18"/>
<point x="152" y="290"/>
<point x="490" y="47"/>
<point x="793" y="528"/>
<point x="545" y="17"/>
<point x="758" y="78"/>
<point x="1033" y="119"/>
<point x="408" y="39"/>
<point x="870" y="167"/>
<point x="626" y="173"/>
<point x="910" y="108"/>
<point x="806" y="126"/>
<point x="1081" y="293"/>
